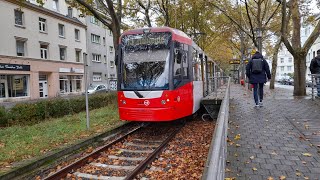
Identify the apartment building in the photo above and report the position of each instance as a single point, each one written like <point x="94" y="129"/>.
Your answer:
<point x="40" y="50"/>
<point x="101" y="53"/>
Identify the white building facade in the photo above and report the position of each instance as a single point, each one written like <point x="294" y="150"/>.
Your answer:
<point x="40" y="51"/>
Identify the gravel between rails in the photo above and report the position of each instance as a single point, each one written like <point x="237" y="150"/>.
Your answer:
<point x="185" y="155"/>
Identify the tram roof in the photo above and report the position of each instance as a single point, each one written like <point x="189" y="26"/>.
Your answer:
<point x="176" y="34"/>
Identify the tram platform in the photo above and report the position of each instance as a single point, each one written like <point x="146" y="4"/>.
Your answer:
<point x="280" y="140"/>
<point x="213" y="100"/>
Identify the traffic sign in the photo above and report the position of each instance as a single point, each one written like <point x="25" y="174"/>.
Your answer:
<point x="234" y="62"/>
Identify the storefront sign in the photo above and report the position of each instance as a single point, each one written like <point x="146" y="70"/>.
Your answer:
<point x="71" y="70"/>
<point x="14" y="67"/>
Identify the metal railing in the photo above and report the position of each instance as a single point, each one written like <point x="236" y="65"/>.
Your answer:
<point x="314" y="79"/>
<point x="216" y="82"/>
<point x="215" y="165"/>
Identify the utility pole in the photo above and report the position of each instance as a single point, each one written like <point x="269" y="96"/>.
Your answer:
<point x="85" y="63"/>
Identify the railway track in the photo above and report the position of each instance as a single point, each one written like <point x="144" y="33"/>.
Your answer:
<point x="123" y="158"/>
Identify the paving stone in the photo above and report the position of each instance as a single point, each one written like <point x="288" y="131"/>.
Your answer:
<point x="270" y="134"/>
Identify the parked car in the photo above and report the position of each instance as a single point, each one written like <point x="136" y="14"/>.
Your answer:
<point x="93" y="89"/>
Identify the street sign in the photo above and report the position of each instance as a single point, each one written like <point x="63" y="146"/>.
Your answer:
<point x="234" y="62"/>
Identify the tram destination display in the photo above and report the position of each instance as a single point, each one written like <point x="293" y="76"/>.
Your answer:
<point x="156" y="40"/>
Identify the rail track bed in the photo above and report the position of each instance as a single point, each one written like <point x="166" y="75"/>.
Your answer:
<point x="138" y="155"/>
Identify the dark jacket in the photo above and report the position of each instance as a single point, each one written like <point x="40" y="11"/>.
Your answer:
<point x="261" y="77"/>
<point x="315" y="65"/>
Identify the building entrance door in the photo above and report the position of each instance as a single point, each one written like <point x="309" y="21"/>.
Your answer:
<point x="3" y="88"/>
<point x="43" y="89"/>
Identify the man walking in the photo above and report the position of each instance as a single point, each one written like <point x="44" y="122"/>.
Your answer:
<point x="258" y="71"/>
<point x="315" y="69"/>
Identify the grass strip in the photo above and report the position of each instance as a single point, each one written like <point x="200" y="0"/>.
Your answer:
<point x="19" y="143"/>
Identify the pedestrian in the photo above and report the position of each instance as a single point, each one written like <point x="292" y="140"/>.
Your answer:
<point x="258" y="72"/>
<point x="315" y="69"/>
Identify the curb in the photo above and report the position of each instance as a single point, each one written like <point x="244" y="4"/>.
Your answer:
<point x="65" y="151"/>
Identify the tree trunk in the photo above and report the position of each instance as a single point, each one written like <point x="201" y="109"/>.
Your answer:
<point x="299" y="74"/>
<point x="275" y="63"/>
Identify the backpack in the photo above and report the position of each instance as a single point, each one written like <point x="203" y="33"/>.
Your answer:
<point x="257" y="66"/>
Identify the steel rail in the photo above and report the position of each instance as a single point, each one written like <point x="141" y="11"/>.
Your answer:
<point x="152" y="156"/>
<point x="75" y="165"/>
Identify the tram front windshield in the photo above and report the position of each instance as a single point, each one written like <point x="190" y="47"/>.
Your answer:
<point x="145" y="68"/>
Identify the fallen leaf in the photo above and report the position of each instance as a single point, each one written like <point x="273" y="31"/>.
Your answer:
<point x="298" y="173"/>
<point x="307" y="154"/>
<point x="282" y="177"/>
<point x="232" y="178"/>
<point x="238" y="145"/>
<point x="270" y="178"/>
<point x="303" y="162"/>
<point x="251" y="157"/>
<point x="238" y="136"/>
<point x="307" y="178"/>
<point x="228" y="170"/>
<point x="254" y="169"/>
<point x="274" y="153"/>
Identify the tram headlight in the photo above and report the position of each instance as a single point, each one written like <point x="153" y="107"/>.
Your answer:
<point x="124" y="102"/>
<point x="163" y="102"/>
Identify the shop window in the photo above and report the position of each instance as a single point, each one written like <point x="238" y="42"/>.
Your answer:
<point x="14" y="86"/>
<point x="18" y="17"/>
<point x="70" y="84"/>
<point x="44" y="51"/>
<point x="42" y="25"/>
<point x="61" y="30"/>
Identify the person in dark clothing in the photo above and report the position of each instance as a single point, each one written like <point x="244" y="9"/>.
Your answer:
<point x="258" y="79"/>
<point x="315" y="69"/>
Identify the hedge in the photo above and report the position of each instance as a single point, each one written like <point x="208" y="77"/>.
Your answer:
<point x="31" y="113"/>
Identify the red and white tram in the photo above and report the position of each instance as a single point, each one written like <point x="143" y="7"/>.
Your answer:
<point x="162" y="75"/>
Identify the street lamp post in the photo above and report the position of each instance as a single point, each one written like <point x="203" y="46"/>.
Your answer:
<point x="85" y="63"/>
<point x="259" y="36"/>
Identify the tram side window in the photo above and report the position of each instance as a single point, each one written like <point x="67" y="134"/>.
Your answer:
<point x="195" y="65"/>
<point x="177" y="66"/>
<point x="185" y="63"/>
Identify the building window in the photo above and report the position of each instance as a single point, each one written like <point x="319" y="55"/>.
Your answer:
<point x="70" y="12"/>
<point x="112" y="64"/>
<point x="77" y="34"/>
<point x="63" y="53"/>
<point x="288" y="68"/>
<point x="281" y="60"/>
<point x="282" y="68"/>
<point x="290" y="60"/>
<point x="110" y="49"/>
<point x="55" y="5"/>
<point x="20" y="48"/>
<point x="94" y="20"/>
<point x="97" y="77"/>
<point x="104" y="41"/>
<point x="112" y="75"/>
<point x="61" y="30"/>
<point x="314" y="54"/>
<point x="110" y="33"/>
<point x="42" y="24"/>
<point x="95" y="38"/>
<point x="44" y="51"/>
<point x="78" y="55"/>
<point x="18" y="17"/>
<point x="105" y="59"/>
<point x="96" y="57"/>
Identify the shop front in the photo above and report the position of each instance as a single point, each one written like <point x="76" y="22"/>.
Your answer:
<point x="15" y="83"/>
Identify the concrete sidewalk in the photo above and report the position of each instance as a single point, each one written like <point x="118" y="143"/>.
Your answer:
<point x="279" y="139"/>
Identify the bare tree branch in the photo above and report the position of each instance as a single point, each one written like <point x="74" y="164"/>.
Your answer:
<point x="284" y="25"/>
